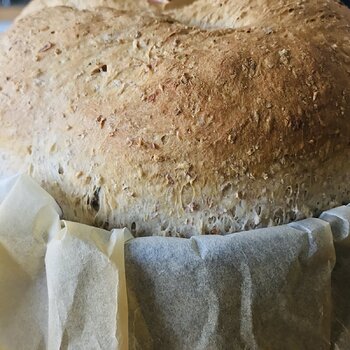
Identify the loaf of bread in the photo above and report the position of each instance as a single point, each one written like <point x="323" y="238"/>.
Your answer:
<point x="182" y="119"/>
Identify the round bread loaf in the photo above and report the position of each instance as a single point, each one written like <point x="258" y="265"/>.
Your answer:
<point x="216" y="117"/>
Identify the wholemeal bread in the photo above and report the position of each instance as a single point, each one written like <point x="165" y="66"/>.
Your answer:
<point x="200" y="13"/>
<point x="212" y="118"/>
<point x="130" y="5"/>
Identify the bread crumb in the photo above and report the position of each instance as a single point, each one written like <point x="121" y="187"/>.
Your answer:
<point x="169" y="179"/>
<point x="214" y="231"/>
<point x="129" y="142"/>
<point x="101" y="120"/>
<point x="284" y="56"/>
<point x="87" y="180"/>
<point x="185" y="78"/>
<point x="112" y="133"/>
<point x="176" y="42"/>
<point x="239" y="195"/>
<point x="136" y="44"/>
<point x="47" y="46"/>
<point x="192" y="207"/>
<point x="99" y="69"/>
<point x="140" y="142"/>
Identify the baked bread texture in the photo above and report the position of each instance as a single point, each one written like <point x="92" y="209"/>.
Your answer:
<point x="133" y="5"/>
<point x="210" y="117"/>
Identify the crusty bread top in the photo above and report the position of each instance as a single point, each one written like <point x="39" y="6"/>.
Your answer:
<point x="37" y="5"/>
<point x="155" y="115"/>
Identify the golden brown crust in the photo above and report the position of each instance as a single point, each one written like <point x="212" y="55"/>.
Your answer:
<point x="140" y="118"/>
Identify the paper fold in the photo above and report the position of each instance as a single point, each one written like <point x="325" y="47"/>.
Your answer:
<point x="62" y="283"/>
<point x="339" y="220"/>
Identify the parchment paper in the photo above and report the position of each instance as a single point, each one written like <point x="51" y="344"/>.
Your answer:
<point x="339" y="219"/>
<point x="62" y="284"/>
<point x="263" y="289"/>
